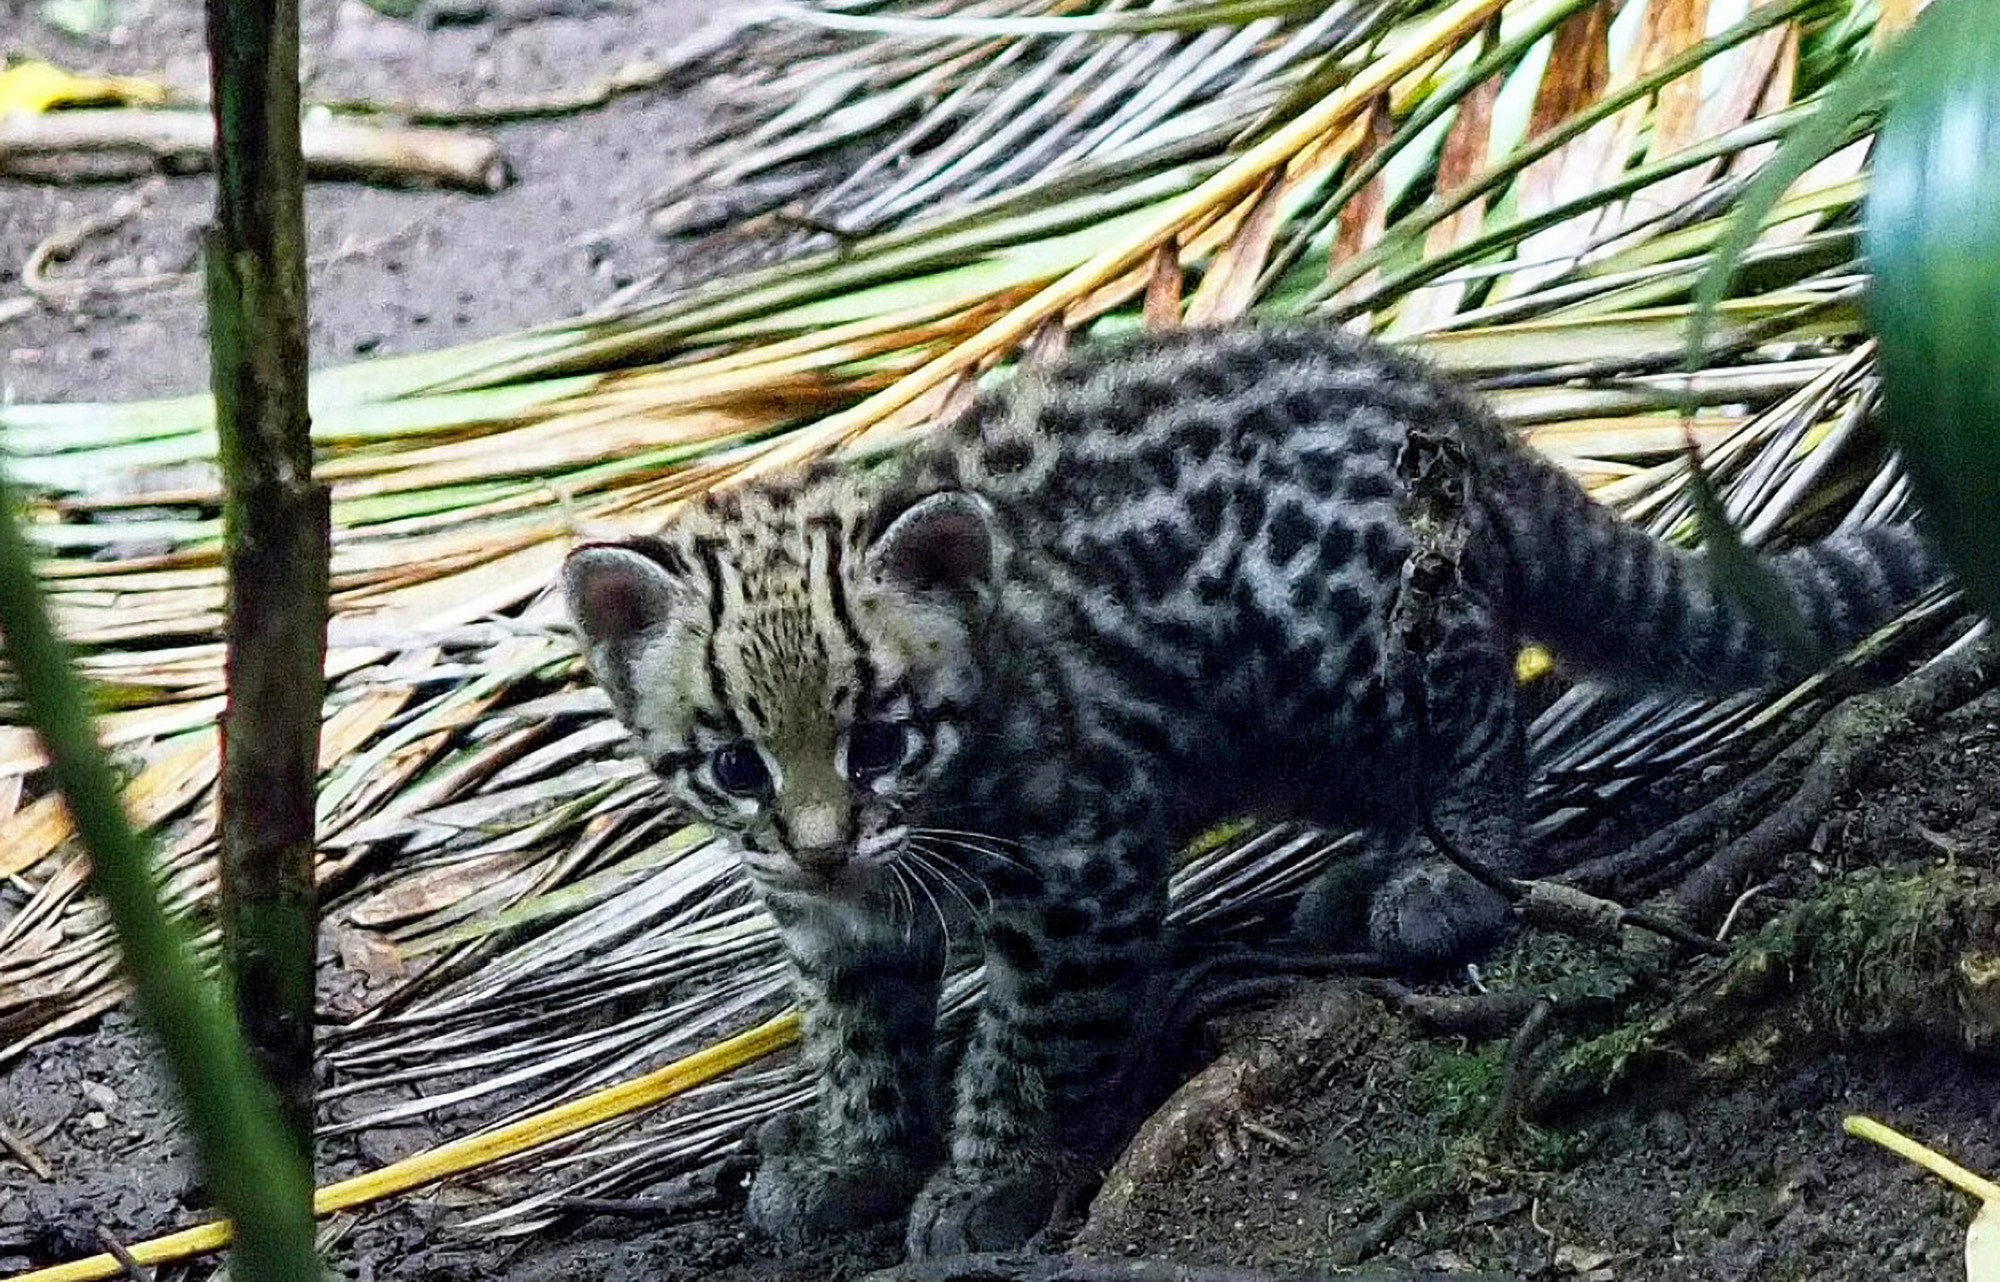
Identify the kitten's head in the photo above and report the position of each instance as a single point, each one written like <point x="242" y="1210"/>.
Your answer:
<point x="796" y="662"/>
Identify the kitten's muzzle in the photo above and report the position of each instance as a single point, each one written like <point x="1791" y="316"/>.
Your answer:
<point x="823" y="861"/>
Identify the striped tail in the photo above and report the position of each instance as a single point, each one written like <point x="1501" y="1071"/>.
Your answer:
<point x="1618" y="602"/>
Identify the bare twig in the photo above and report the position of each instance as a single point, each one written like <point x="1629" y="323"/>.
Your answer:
<point x="1568" y="910"/>
<point x="688" y="61"/>
<point x="25" y="1153"/>
<point x="1516" y="1076"/>
<point x="1729" y="918"/>
<point x="1374" y="1235"/>
<point x="1854" y="738"/>
<point x="65" y="240"/>
<point x="1779" y="804"/>
<point x="95" y="145"/>
<point x="1473" y="1015"/>
<point x="134" y="1270"/>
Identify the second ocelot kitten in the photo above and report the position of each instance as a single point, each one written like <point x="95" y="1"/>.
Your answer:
<point x="991" y="689"/>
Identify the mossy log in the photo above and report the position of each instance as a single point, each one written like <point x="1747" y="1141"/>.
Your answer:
<point x="1876" y="955"/>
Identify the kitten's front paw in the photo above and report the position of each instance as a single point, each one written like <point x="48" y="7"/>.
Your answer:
<point x="1434" y="914"/>
<point x="959" y="1213"/>
<point x="801" y="1193"/>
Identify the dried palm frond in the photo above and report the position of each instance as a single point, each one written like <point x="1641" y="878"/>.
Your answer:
<point x="1524" y="191"/>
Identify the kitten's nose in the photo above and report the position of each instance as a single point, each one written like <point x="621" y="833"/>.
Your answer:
<point x="817" y="832"/>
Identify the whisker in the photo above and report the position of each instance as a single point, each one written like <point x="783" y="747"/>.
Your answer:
<point x="971" y="841"/>
<point x="939" y="845"/>
<point x="909" y="903"/>
<point x="949" y="867"/>
<point x="982" y="836"/>
<point x="999" y="856"/>
<point x="944" y="923"/>
<point x="943" y="870"/>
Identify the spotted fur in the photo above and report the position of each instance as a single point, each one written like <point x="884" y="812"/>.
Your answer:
<point x="985" y="692"/>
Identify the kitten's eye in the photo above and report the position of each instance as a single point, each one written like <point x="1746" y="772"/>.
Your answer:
<point x="739" y="768"/>
<point x="874" y="747"/>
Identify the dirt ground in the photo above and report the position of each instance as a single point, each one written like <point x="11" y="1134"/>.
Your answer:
<point x="1749" y="1179"/>
<point x="391" y="270"/>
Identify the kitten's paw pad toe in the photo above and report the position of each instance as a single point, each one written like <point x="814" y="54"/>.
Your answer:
<point x="1436" y="913"/>
<point x="956" y="1215"/>
<point x="798" y="1196"/>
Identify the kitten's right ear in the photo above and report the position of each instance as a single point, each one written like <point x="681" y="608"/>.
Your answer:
<point x="615" y="593"/>
<point x="944" y="543"/>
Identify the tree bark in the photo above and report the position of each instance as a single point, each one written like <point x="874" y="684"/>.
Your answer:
<point x="276" y="543"/>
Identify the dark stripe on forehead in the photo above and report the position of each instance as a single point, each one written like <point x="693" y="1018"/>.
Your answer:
<point x="836" y="592"/>
<point x="710" y="552"/>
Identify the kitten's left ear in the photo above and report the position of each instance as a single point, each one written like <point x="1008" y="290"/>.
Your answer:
<point x="944" y="544"/>
<point x="615" y="594"/>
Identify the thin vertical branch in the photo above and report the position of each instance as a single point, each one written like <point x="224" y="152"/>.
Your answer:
<point x="276" y="532"/>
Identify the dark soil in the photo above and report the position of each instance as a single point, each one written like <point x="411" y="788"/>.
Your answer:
<point x="1751" y="1179"/>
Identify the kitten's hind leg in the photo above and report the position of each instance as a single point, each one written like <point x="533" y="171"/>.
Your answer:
<point x="1472" y="777"/>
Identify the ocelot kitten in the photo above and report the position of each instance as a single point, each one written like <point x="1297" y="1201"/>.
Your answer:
<point x="1202" y="574"/>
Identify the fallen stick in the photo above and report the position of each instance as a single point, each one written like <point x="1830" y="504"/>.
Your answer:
<point x="1707" y="855"/>
<point x="1273" y="1054"/>
<point x="25" y="1154"/>
<point x="1855" y="736"/>
<point x="1878" y="957"/>
<point x="70" y="146"/>
<point x="134" y="1271"/>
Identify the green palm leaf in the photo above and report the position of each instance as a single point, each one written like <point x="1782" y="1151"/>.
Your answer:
<point x="1933" y="234"/>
